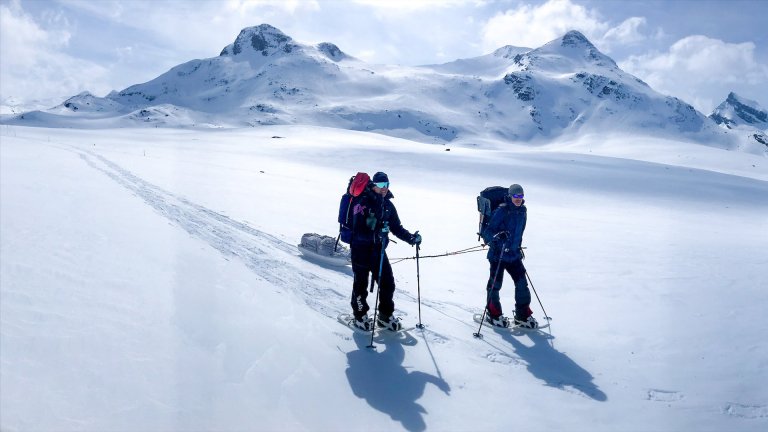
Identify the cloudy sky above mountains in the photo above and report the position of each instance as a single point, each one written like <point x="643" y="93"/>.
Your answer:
<point x="697" y="50"/>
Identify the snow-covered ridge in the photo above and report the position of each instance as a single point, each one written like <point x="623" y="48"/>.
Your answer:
<point x="563" y="88"/>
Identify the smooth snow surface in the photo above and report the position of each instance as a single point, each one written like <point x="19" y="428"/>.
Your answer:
<point x="150" y="281"/>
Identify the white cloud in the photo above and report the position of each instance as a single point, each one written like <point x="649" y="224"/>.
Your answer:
<point x="18" y="31"/>
<point x="112" y="9"/>
<point x="406" y="6"/>
<point x="33" y="63"/>
<point x="290" y="6"/>
<point x="700" y="70"/>
<point x="626" y="33"/>
<point x="200" y="28"/>
<point x="533" y="26"/>
<point x="366" y="55"/>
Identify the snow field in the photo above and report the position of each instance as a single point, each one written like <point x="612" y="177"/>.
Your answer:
<point x="150" y="281"/>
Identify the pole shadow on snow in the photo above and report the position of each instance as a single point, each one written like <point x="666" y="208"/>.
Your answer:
<point x="379" y="377"/>
<point x="553" y="367"/>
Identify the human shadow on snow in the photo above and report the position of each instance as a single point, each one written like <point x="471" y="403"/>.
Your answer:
<point x="379" y="377"/>
<point x="553" y="367"/>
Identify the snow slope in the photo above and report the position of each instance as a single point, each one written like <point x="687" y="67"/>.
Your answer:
<point x="149" y="280"/>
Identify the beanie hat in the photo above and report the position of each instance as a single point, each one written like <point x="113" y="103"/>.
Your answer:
<point x="515" y="189"/>
<point x="380" y="177"/>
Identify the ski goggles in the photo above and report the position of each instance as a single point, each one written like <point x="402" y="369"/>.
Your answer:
<point x="518" y="195"/>
<point x="381" y="185"/>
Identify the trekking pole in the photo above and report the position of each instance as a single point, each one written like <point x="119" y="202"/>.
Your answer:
<point x="487" y="300"/>
<point x="418" y="284"/>
<point x="488" y="296"/>
<point x="384" y="239"/>
<point x="546" y="317"/>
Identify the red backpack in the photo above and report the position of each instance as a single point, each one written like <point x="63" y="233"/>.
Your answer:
<point x="356" y="186"/>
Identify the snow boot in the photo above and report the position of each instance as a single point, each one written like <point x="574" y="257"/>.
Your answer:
<point x="363" y="323"/>
<point x="390" y="323"/>
<point x="529" y="322"/>
<point x="499" y="321"/>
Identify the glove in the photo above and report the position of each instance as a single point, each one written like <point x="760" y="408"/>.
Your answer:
<point x="415" y="239"/>
<point x="370" y="221"/>
<point x="385" y="228"/>
<point x="500" y="236"/>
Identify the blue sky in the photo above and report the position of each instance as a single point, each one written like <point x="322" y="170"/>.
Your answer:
<point x="697" y="50"/>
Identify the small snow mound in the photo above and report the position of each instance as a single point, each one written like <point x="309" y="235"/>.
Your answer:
<point x="746" y="411"/>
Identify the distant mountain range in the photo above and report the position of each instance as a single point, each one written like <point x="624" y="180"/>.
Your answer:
<point x="564" y="87"/>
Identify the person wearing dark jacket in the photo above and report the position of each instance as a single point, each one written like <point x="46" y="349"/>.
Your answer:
<point x="373" y="218"/>
<point x="504" y="234"/>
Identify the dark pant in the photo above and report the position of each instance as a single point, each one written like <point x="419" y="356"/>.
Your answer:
<point x="366" y="260"/>
<point x="522" y="293"/>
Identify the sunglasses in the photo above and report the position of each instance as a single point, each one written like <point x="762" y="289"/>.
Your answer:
<point x="517" y="195"/>
<point x="381" y="185"/>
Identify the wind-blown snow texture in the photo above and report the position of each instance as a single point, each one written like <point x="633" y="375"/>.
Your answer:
<point x="149" y="281"/>
<point x="563" y="88"/>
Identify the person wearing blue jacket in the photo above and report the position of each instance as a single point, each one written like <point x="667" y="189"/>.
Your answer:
<point x="504" y="234"/>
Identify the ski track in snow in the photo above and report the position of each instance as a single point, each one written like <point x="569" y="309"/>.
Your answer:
<point x="255" y="248"/>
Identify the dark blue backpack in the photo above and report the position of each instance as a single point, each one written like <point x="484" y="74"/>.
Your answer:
<point x="488" y="201"/>
<point x="356" y="186"/>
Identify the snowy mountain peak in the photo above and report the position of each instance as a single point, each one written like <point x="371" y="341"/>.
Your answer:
<point x="332" y="51"/>
<point x="566" y="52"/>
<point x="262" y="39"/>
<point x="575" y="38"/>
<point x="743" y="115"/>
<point x="736" y="110"/>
